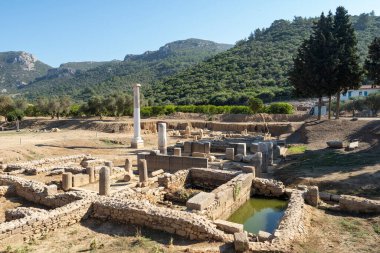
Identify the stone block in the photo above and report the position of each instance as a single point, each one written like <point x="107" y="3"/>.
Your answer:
<point x="198" y="154"/>
<point x="207" y="147"/>
<point x="241" y="242"/>
<point x="254" y="147"/>
<point x="241" y="149"/>
<point x="335" y="144"/>
<point x="177" y="151"/>
<point x="229" y="227"/>
<point x="353" y="145"/>
<point x="249" y="169"/>
<point x="238" y="158"/>
<point x="230" y="153"/>
<point x="200" y="201"/>
<point x="80" y="180"/>
<point x="151" y="162"/>
<point x="163" y="162"/>
<point x="264" y="236"/>
<point x="198" y="162"/>
<point x="187" y="147"/>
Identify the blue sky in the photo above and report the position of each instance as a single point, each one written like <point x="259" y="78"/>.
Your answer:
<point x="58" y="31"/>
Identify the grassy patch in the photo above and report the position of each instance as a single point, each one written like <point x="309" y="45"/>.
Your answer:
<point x="376" y="228"/>
<point x="23" y="249"/>
<point x="354" y="227"/>
<point x="294" y="150"/>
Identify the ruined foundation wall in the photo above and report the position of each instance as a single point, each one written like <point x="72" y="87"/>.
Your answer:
<point x="145" y="214"/>
<point x="37" y="225"/>
<point x="174" y="181"/>
<point x="229" y="197"/>
<point x="358" y="205"/>
<point x="210" y="178"/>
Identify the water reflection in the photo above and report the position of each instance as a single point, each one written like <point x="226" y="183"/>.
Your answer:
<point x="260" y="214"/>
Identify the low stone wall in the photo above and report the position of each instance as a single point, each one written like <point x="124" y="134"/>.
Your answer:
<point x="39" y="193"/>
<point x="145" y="214"/>
<point x="22" y="212"/>
<point x="268" y="117"/>
<point x="229" y="197"/>
<point x="172" y="163"/>
<point x="210" y="178"/>
<point x="292" y="227"/>
<point x="44" y="165"/>
<point x="358" y="205"/>
<point x="267" y="187"/>
<point x="36" y="225"/>
<point x="6" y="190"/>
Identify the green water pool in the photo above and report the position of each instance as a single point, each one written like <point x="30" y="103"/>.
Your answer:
<point x="260" y="214"/>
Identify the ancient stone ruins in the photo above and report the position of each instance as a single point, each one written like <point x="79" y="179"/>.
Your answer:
<point x="218" y="171"/>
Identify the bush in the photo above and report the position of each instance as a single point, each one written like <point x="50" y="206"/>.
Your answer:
<point x="242" y="109"/>
<point x="280" y="108"/>
<point x="146" y="111"/>
<point x="256" y="105"/>
<point x="15" y="115"/>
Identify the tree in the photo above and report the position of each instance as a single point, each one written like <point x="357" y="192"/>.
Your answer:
<point x="372" y="63"/>
<point x="373" y="103"/>
<point x="314" y="66"/>
<point x="6" y="105"/>
<point x="256" y="104"/>
<point x="348" y="74"/>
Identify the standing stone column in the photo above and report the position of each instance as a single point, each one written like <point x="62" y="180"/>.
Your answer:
<point x="137" y="141"/>
<point x="128" y="169"/>
<point x="162" y="138"/>
<point x="200" y="134"/>
<point x="177" y="151"/>
<point x="143" y="172"/>
<point x="188" y="131"/>
<point x="91" y="173"/>
<point x="264" y="150"/>
<point x="67" y="181"/>
<point x="104" y="181"/>
<point x="270" y="152"/>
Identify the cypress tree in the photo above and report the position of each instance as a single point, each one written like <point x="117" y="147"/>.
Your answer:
<point x="372" y="63"/>
<point x="348" y="74"/>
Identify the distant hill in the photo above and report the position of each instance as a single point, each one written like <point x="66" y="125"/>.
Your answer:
<point x="108" y="77"/>
<point x="83" y="66"/>
<point x="18" y="69"/>
<point x="256" y="66"/>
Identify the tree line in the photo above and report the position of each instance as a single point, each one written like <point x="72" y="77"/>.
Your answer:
<point x="328" y="63"/>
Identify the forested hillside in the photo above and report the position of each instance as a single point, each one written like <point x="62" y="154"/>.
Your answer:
<point x="256" y="66"/>
<point x="18" y="69"/>
<point x="113" y="76"/>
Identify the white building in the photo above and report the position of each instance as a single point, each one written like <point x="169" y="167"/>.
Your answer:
<point x="363" y="91"/>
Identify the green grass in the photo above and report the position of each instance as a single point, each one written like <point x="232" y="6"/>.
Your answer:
<point x="376" y="228"/>
<point x="354" y="227"/>
<point x="294" y="150"/>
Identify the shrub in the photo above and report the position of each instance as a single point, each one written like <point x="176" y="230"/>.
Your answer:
<point x="256" y="105"/>
<point x="15" y="115"/>
<point x="280" y="108"/>
<point x="146" y="111"/>
<point x="240" y="109"/>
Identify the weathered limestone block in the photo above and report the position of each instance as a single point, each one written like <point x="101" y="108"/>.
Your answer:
<point x="254" y="147"/>
<point x="157" y="172"/>
<point x="312" y="195"/>
<point x="241" y="242"/>
<point x="358" y="204"/>
<point x="270" y="152"/>
<point x="80" y="180"/>
<point x="50" y="190"/>
<point x="265" y="156"/>
<point x="91" y="174"/>
<point x="143" y="172"/>
<point x="230" y="153"/>
<point x="249" y="169"/>
<point x="177" y="151"/>
<point x="200" y="201"/>
<point x="353" y="145"/>
<point x="104" y="181"/>
<point x="199" y="154"/>
<point x="207" y="147"/>
<point x="67" y="181"/>
<point x="241" y="149"/>
<point x="276" y="152"/>
<point x="187" y="147"/>
<point x="264" y="236"/>
<point x="128" y="165"/>
<point x="335" y="144"/>
<point x="229" y="227"/>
